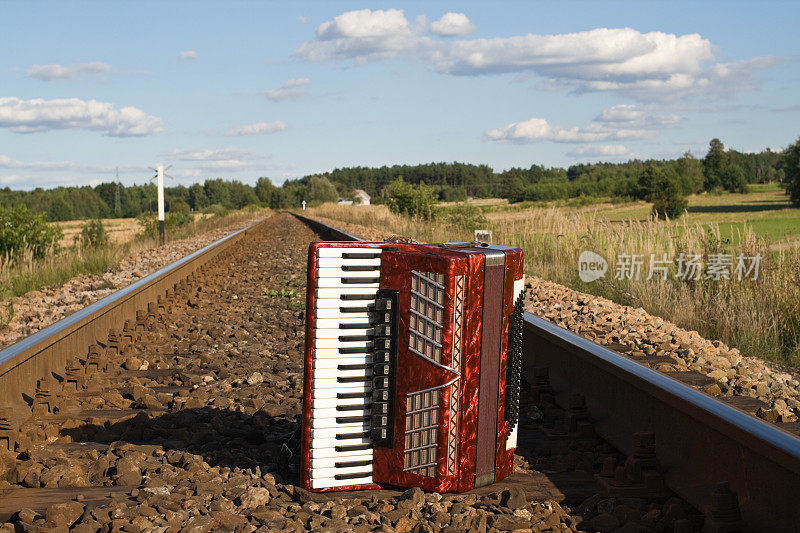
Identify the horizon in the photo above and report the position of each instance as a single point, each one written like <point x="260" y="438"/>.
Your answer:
<point x="288" y="90"/>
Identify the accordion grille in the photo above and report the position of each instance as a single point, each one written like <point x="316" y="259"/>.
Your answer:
<point x="422" y="423"/>
<point x="427" y="315"/>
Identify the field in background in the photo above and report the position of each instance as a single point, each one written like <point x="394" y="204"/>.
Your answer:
<point x="25" y="273"/>
<point x="761" y="318"/>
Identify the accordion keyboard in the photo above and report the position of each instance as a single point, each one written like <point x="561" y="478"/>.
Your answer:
<point x="347" y="283"/>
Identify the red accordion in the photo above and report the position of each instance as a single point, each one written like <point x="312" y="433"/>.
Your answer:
<point x="412" y="365"/>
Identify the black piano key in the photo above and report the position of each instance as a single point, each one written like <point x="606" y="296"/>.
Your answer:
<point x="355" y="407"/>
<point x="352" y="447"/>
<point x="360" y="268"/>
<point x="354" y="309"/>
<point x="351" y="419"/>
<point x="345" y="464"/>
<point x="359" y="435"/>
<point x="358" y="349"/>
<point x="361" y="255"/>
<point x="353" y="379"/>
<point x="350" y="395"/>
<point x="352" y="476"/>
<point x="353" y="281"/>
<point x="355" y="326"/>
<point x="356" y="297"/>
<point x="355" y="338"/>
<point x="354" y="367"/>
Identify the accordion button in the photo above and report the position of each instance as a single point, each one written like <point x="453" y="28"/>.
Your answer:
<point x="380" y="357"/>
<point x="381" y="383"/>
<point x="380" y="421"/>
<point x="383" y="304"/>
<point x="382" y="344"/>
<point x="382" y="331"/>
<point x="379" y="434"/>
<point x="380" y="408"/>
<point x="381" y="370"/>
<point x="380" y="395"/>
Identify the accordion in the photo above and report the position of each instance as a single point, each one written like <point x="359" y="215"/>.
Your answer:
<point x="412" y="365"/>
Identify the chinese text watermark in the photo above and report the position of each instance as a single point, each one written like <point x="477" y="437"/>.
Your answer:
<point x="688" y="267"/>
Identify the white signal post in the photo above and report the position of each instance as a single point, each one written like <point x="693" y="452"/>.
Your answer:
<point x="160" y="180"/>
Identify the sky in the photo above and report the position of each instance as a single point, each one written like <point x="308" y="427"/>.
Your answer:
<point x="240" y="90"/>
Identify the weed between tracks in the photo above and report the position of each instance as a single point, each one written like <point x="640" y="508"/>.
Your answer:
<point x="761" y="318"/>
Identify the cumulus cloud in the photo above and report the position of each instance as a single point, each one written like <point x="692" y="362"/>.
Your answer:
<point x="363" y="35"/>
<point x="452" y="24"/>
<point x="187" y="55"/>
<point x="600" y="150"/>
<point x="258" y="128"/>
<point x="621" y="122"/>
<point x="36" y="115"/>
<point x="290" y="90"/>
<point x="625" y="60"/>
<point x="303" y="20"/>
<point x="222" y="159"/>
<point x="56" y="71"/>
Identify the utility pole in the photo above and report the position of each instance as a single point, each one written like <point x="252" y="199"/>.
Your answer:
<point x="160" y="179"/>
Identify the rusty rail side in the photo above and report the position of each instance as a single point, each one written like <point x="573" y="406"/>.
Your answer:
<point x="45" y="353"/>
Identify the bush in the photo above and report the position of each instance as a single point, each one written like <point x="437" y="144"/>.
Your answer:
<point x="791" y="169"/>
<point x="93" y="235"/>
<point x="453" y="194"/>
<point x="172" y="220"/>
<point x="21" y="230"/>
<point x="217" y="210"/>
<point x="464" y="216"/>
<point x="411" y="200"/>
<point x="179" y="206"/>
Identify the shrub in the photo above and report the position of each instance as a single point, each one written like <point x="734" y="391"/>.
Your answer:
<point x="468" y="217"/>
<point x="217" y="210"/>
<point x="93" y="235"/>
<point x="21" y="229"/>
<point x="179" y="206"/>
<point x="411" y="200"/>
<point x="149" y="223"/>
<point x="791" y="169"/>
<point x="453" y="194"/>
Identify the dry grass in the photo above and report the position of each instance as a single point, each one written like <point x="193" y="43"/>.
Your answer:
<point x="761" y="318"/>
<point x="24" y="273"/>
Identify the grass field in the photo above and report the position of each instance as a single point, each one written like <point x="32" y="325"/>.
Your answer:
<point x="760" y="317"/>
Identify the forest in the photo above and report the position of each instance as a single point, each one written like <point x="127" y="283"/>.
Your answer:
<point x="720" y="170"/>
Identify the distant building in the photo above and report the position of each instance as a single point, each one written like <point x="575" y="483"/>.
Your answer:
<point x="361" y="197"/>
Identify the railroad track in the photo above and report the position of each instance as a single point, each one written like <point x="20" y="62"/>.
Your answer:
<point x="174" y="404"/>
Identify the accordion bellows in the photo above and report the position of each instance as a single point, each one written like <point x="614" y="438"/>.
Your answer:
<point x="407" y="379"/>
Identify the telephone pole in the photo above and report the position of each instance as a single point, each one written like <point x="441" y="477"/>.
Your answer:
<point x="160" y="180"/>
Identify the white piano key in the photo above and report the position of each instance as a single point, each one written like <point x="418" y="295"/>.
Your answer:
<point x="327" y="373"/>
<point x="337" y="283"/>
<point x="346" y="427"/>
<point x="336" y="344"/>
<point x="339" y="333"/>
<point x="337" y="252"/>
<point x="331" y="452"/>
<point x="323" y="483"/>
<point x="326" y="442"/>
<point x="333" y="293"/>
<point x="333" y="412"/>
<point x="321" y="434"/>
<point x="335" y="312"/>
<point x="317" y="473"/>
<point x="331" y="389"/>
<point x="341" y="359"/>
<point x="334" y="323"/>
<point x="327" y="403"/>
<point x="331" y="462"/>
<point x="337" y="262"/>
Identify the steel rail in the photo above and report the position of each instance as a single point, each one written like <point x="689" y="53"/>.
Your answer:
<point x="700" y="441"/>
<point x="43" y="354"/>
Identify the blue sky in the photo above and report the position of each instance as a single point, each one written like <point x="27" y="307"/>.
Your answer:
<point x="282" y="89"/>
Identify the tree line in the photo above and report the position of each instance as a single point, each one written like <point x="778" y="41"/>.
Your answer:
<point x="720" y="170"/>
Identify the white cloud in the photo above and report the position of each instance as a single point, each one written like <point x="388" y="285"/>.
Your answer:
<point x="640" y="65"/>
<point x="222" y="159"/>
<point x="452" y="24"/>
<point x="600" y="150"/>
<point x="302" y="20"/>
<point x="290" y="90"/>
<point x="187" y="55"/>
<point x="8" y="163"/>
<point x="257" y="128"/>
<point x="363" y="35"/>
<point x="621" y="122"/>
<point x="36" y="115"/>
<point x="56" y="71"/>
